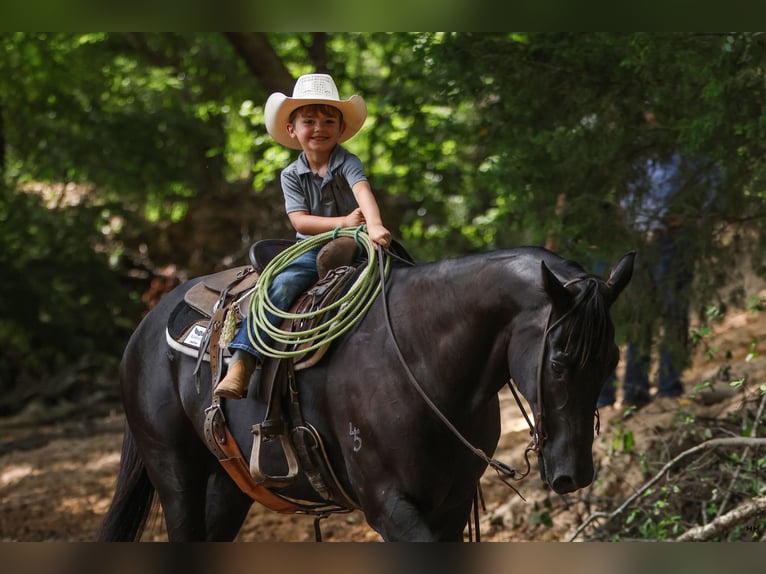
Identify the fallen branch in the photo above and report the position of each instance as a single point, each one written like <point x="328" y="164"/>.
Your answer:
<point x="745" y="454"/>
<point x="712" y="443"/>
<point x="753" y="508"/>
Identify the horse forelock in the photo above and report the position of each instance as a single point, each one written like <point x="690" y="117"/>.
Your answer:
<point x="586" y="324"/>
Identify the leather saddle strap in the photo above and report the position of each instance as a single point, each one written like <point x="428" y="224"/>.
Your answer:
<point x="213" y="331"/>
<point x="275" y="376"/>
<point x="216" y="351"/>
<point x="222" y="444"/>
<point x="313" y="458"/>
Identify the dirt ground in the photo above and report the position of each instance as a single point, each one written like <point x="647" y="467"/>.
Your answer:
<point x="56" y="480"/>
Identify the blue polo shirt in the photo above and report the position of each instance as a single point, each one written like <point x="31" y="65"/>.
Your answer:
<point x="328" y="196"/>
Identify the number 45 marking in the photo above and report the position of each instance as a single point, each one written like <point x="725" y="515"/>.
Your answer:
<point x="354" y="432"/>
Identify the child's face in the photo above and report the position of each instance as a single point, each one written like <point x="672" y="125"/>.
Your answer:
<point x="315" y="131"/>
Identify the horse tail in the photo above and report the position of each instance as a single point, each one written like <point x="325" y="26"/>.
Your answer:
<point x="134" y="497"/>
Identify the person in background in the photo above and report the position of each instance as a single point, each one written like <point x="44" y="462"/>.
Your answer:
<point x="665" y="206"/>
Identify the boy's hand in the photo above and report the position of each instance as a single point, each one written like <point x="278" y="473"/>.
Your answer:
<point x="379" y="234"/>
<point x="354" y="219"/>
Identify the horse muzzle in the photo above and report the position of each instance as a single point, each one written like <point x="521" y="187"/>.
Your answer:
<point x="566" y="478"/>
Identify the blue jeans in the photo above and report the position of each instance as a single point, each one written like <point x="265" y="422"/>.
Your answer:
<point x="287" y="286"/>
<point x="672" y="276"/>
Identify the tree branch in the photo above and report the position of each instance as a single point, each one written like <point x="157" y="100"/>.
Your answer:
<point x="745" y="454"/>
<point x="262" y="60"/>
<point x="713" y="443"/>
<point x="317" y="50"/>
<point x="753" y="508"/>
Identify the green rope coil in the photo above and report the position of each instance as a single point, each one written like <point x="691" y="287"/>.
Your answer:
<point x="350" y="307"/>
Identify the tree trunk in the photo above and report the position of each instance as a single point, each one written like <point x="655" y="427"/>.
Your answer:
<point x="262" y="61"/>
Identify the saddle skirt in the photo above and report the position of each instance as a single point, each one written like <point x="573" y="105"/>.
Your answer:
<point x="189" y="323"/>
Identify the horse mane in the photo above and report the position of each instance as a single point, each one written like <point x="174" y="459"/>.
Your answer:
<point x="586" y="324"/>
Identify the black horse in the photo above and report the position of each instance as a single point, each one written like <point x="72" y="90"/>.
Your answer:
<point x="462" y="329"/>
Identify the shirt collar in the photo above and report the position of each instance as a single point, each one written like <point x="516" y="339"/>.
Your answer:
<point x="336" y="158"/>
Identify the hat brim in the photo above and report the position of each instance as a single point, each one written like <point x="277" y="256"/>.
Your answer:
<point x="279" y="107"/>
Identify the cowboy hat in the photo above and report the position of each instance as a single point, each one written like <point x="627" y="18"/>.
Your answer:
<point x="312" y="89"/>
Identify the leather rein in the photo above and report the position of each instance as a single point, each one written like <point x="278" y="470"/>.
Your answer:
<point x="536" y="429"/>
<point x="504" y="471"/>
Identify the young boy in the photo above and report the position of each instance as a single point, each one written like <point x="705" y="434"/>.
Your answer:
<point x="324" y="188"/>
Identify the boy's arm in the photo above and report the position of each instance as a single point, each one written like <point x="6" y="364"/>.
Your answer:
<point x="366" y="200"/>
<point x="367" y="212"/>
<point x="308" y="224"/>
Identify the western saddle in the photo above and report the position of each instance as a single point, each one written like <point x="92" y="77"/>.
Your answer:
<point x="202" y="325"/>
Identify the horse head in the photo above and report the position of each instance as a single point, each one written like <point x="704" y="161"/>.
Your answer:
<point x="571" y="359"/>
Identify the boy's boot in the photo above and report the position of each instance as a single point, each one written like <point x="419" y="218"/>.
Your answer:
<point x="234" y="384"/>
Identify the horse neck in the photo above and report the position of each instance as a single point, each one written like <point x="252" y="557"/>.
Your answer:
<point x="464" y="318"/>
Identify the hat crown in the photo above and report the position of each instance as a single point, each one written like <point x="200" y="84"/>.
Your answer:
<point x="313" y="86"/>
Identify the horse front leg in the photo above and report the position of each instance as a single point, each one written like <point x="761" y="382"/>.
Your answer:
<point x="398" y="519"/>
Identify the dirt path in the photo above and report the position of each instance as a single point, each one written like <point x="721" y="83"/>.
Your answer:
<point x="56" y="482"/>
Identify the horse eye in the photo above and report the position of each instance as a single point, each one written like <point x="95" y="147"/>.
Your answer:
<point x="558" y="367"/>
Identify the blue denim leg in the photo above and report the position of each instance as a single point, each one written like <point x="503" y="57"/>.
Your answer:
<point x="285" y="288"/>
<point x="636" y="385"/>
<point x="669" y="378"/>
<point x="674" y="274"/>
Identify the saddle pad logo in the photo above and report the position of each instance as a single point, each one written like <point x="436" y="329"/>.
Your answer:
<point x="194" y="337"/>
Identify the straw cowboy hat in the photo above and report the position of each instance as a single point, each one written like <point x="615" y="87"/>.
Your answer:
<point x="312" y="89"/>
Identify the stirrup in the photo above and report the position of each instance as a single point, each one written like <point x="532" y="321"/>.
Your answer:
<point x="265" y="432"/>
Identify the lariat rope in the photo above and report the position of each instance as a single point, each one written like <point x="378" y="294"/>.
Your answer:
<point x="350" y="307"/>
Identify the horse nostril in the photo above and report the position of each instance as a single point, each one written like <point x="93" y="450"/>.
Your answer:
<point x="563" y="484"/>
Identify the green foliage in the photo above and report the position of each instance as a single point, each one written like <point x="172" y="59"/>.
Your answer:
<point x="510" y="123"/>
<point x="655" y="522"/>
<point x="700" y="337"/>
<point x="624" y="441"/>
<point x="471" y="143"/>
<point x="697" y="492"/>
<point x="699" y="489"/>
<point x="139" y="116"/>
<point x="541" y="514"/>
<point x="701" y="334"/>
<point x="138" y="124"/>
<point x="59" y="298"/>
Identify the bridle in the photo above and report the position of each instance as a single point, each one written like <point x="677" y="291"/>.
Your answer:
<point x="536" y="430"/>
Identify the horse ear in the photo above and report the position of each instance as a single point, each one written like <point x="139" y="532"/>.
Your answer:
<point x="620" y="276"/>
<point x="562" y="299"/>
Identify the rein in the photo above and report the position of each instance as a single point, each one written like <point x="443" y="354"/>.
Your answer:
<point x="536" y="429"/>
<point x="506" y="472"/>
